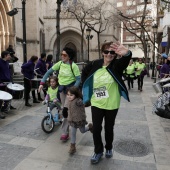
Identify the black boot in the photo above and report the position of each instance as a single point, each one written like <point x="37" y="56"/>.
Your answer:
<point x="35" y="101"/>
<point x="11" y="107"/>
<point x="27" y="104"/>
<point x="2" y="116"/>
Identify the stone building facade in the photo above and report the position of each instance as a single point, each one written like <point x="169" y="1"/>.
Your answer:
<point x="41" y="30"/>
<point x="7" y="31"/>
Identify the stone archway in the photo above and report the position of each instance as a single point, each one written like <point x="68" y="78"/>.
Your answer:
<point x="6" y="25"/>
<point x="71" y="38"/>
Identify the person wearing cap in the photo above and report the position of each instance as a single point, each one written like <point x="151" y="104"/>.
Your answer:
<point x="165" y="69"/>
<point x="5" y="76"/>
<point x="68" y="75"/>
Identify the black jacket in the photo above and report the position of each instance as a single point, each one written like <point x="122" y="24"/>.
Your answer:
<point x="115" y="68"/>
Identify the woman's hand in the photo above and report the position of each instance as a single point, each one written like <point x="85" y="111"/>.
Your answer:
<point x="40" y="88"/>
<point x="119" y="49"/>
<point x="55" y="101"/>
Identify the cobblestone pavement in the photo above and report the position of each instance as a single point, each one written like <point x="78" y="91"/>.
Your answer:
<point x="142" y="139"/>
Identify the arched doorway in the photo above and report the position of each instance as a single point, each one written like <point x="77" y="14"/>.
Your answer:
<point x="72" y="46"/>
<point x="72" y="39"/>
<point x="6" y="25"/>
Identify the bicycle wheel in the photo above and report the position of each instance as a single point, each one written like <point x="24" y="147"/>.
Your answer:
<point x="47" y="124"/>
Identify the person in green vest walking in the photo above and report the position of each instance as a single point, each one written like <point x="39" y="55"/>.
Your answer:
<point x="130" y="74"/>
<point x="140" y="69"/>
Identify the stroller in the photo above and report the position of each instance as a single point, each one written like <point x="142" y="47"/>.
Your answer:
<point x="162" y="105"/>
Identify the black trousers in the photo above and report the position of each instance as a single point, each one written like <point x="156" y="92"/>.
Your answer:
<point x="27" y="89"/>
<point x="97" y="118"/>
<point x="140" y="82"/>
<point x="129" y="81"/>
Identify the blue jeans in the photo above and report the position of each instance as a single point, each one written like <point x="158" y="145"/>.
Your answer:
<point x="74" y="131"/>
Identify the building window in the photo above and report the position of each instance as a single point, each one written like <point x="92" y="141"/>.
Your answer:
<point x="139" y="18"/>
<point x="130" y="11"/>
<point x="130" y="3"/>
<point x="138" y="33"/>
<point x="68" y="2"/>
<point x="142" y="1"/>
<point x="119" y="4"/>
<point x="161" y="22"/>
<point x="131" y="21"/>
<point x="140" y="8"/>
<point x="130" y="37"/>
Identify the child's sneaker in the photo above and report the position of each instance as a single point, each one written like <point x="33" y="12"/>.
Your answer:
<point x="64" y="137"/>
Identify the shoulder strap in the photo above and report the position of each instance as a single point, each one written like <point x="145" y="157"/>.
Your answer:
<point x="60" y="65"/>
<point x="72" y="68"/>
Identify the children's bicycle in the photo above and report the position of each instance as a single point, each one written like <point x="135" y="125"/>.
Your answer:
<point x="49" y="121"/>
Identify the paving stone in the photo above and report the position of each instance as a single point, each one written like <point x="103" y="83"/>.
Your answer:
<point x="27" y="126"/>
<point x="10" y="156"/>
<point x="40" y="151"/>
<point x="131" y="114"/>
<point x="111" y="164"/>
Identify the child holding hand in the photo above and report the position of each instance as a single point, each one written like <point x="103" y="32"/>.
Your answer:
<point x="76" y="116"/>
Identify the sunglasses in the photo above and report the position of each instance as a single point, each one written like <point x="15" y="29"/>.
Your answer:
<point x="107" y="52"/>
<point x="65" y="55"/>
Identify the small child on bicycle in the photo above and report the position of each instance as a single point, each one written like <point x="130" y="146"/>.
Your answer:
<point x="76" y="116"/>
<point x="52" y="93"/>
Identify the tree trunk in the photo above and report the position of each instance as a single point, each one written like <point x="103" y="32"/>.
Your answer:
<point x="98" y="39"/>
<point x="82" y="51"/>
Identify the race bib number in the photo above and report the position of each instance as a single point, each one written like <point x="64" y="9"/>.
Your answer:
<point x="101" y="93"/>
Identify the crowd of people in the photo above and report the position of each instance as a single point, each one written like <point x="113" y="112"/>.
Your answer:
<point x="34" y="69"/>
<point x="103" y="85"/>
<point x="135" y="70"/>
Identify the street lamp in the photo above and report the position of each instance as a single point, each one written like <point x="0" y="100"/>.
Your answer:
<point x="24" y="31"/>
<point x="14" y="12"/>
<point x="154" y="27"/>
<point x="88" y="37"/>
<point x="58" y="27"/>
<point x="147" y="56"/>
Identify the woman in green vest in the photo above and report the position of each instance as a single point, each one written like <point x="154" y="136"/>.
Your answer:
<point x="140" y="68"/>
<point x="130" y="74"/>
